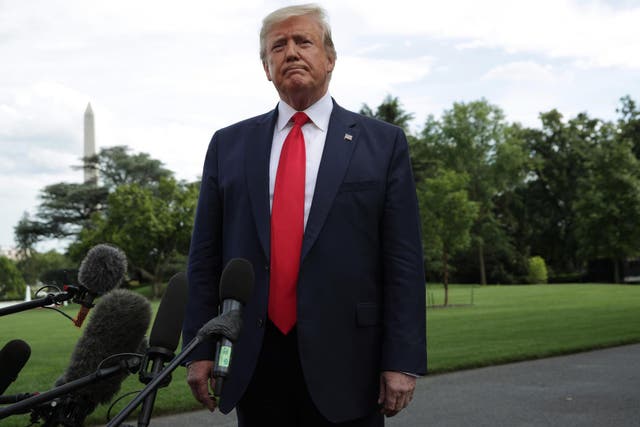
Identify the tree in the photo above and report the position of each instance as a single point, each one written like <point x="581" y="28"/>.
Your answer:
<point x="474" y="139"/>
<point x="447" y="218"/>
<point x="558" y="155"/>
<point x="66" y="208"/>
<point x="12" y="284"/>
<point x="34" y="266"/>
<point x="152" y="226"/>
<point x="117" y="167"/>
<point x="629" y="123"/>
<point x="607" y="207"/>
<point x="390" y="111"/>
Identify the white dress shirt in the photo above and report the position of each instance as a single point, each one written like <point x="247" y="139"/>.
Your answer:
<point x="315" y="135"/>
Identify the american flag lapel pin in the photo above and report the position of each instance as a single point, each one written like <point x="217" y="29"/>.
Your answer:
<point x="348" y="137"/>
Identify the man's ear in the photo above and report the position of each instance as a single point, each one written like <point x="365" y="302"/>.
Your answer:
<point x="266" y="70"/>
<point x="331" y="64"/>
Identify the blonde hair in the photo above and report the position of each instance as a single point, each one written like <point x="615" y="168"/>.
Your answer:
<point x="280" y="15"/>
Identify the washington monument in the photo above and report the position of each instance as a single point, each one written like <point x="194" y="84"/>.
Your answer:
<point x="90" y="174"/>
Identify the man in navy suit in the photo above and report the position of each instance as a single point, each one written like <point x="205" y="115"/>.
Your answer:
<point x="334" y="334"/>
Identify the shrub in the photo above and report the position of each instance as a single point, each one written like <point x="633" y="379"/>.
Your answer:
<point x="537" y="270"/>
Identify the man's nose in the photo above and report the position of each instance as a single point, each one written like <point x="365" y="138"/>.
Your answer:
<point x="291" y="51"/>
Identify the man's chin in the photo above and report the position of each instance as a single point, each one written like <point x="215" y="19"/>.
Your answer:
<point x="297" y="85"/>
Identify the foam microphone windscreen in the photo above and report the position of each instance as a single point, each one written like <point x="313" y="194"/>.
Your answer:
<point x="13" y="357"/>
<point x="166" y="328"/>
<point x="236" y="281"/>
<point x="102" y="269"/>
<point x="118" y="325"/>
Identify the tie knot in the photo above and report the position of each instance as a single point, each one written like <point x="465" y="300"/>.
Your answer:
<point x="300" y="118"/>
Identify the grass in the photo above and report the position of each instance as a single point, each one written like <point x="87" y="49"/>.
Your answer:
<point x="511" y="323"/>
<point x="505" y="323"/>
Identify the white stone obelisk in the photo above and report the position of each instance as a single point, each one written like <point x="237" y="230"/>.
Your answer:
<point x="90" y="174"/>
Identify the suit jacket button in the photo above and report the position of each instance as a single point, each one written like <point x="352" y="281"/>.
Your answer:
<point x="266" y="267"/>
<point x="260" y="323"/>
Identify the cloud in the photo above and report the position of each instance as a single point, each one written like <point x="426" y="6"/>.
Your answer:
<point x="522" y="71"/>
<point x="162" y="76"/>
<point x="41" y="108"/>
<point x="594" y="33"/>
<point x="369" y="80"/>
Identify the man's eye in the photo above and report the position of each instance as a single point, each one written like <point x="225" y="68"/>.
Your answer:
<point x="277" y="47"/>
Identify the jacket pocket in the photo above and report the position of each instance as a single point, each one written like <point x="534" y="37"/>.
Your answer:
<point x="358" y="186"/>
<point x="368" y="314"/>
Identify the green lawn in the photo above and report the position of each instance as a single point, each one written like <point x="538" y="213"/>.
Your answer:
<point x="505" y="323"/>
<point x="509" y="323"/>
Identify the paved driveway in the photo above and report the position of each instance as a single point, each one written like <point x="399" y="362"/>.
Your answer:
<point x="598" y="388"/>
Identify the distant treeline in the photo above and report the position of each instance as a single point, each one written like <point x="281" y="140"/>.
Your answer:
<point x="500" y="202"/>
<point x="495" y="194"/>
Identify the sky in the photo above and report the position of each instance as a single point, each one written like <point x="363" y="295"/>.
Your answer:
<point x="162" y="76"/>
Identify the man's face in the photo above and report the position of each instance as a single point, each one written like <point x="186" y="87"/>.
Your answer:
<point x="297" y="62"/>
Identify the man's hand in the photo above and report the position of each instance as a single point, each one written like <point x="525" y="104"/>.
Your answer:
<point x="199" y="377"/>
<point x="396" y="391"/>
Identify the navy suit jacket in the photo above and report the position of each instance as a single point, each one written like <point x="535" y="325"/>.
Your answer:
<point x="361" y="286"/>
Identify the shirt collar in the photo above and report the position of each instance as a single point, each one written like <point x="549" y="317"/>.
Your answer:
<point x="319" y="113"/>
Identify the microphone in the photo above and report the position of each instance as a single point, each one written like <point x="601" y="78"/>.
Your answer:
<point x="227" y="325"/>
<point x="118" y="325"/>
<point x="236" y="286"/>
<point x="13" y="357"/>
<point x="163" y="339"/>
<point x="101" y="270"/>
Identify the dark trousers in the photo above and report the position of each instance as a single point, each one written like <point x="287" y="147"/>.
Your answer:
<point x="278" y="395"/>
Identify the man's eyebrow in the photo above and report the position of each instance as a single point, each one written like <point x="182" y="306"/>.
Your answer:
<point x="296" y="35"/>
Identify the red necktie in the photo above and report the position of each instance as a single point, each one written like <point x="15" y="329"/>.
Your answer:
<point x="287" y="227"/>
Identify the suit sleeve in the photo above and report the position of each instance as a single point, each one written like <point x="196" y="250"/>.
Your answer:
<point x="404" y="343"/>
<point x="205" y="256"/>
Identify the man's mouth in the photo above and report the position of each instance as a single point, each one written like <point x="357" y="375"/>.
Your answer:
<point x="294" y="69"/>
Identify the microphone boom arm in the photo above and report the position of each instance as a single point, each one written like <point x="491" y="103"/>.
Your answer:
<point x="26" y="405"/>
<point x="50" y="299"/>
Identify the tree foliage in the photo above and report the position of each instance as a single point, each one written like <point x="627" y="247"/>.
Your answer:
<point x="474" y="139"/>
<point x="447" y="217"/>
<point x="390" y="111"/>
<point x="629" y="124"/>
<point x="12" y="284"/>
<point x="152" y="226"/>
<point x="607" y="208"/>
<point x="66" y="208"/>
<point x="493" y="195"/>
<point x="34" y="266"/>
<point x="566" y="190"/>
<point x="116" y="167"/>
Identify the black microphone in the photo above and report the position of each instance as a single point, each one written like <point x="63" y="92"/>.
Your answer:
<point x="101" y="270"/>
<point x="236" y="286"/>
<point x="163" y="339"/>
<point x="118" y="325"/>
<point x="13" y="357"/>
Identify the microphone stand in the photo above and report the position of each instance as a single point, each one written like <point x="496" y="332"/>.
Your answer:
<point x="154" y="384"/>
<point x="157" y="356"/>
<point x="32" y="402"/>
<point x="227" y="325"/>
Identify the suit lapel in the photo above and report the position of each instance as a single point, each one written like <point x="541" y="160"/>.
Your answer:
<point x="342" y="137"/>
<point x="258" y="150"/>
